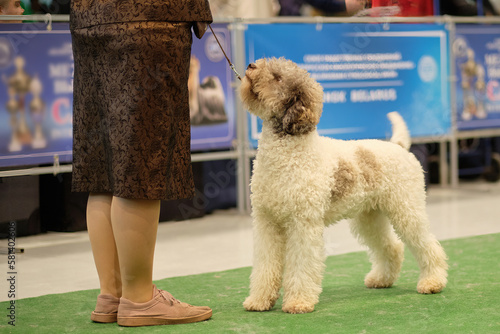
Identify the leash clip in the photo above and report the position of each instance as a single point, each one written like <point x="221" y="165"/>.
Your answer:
<point x="235" y="72"/>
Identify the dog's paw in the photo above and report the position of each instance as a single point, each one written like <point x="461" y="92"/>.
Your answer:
<point x="298" y="307"/>
<point x="259" y="305"/>
<point x="376" y="281"/>
<point x="431" y="285"/>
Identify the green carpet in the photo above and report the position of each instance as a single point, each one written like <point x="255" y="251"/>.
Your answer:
<point x="469" y="304"/>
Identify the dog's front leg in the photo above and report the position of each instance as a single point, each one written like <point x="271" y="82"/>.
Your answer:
<point x="304" y="266"/>
<point x="265" y="281"/>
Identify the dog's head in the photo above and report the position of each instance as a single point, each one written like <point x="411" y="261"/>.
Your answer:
<point x="280" y="92"/>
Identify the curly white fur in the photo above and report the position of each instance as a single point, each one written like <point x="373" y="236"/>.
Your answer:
<point x="302" y="182"/>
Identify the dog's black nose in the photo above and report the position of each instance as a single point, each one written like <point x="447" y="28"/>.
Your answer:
<point x="251" y="66"/>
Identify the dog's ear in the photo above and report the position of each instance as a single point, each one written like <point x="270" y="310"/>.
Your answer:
<point x="299" y="118"/>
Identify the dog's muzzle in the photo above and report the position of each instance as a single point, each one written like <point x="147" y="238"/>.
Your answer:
<point x="250" y="67"/>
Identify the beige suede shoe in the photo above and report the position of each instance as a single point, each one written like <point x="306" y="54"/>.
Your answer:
<point x="106" y="309"/>
<point x="163" y="309"/>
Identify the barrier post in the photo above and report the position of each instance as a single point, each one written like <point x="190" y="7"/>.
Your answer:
<point x="453" y="182"/>
<point x="238" y="44"/>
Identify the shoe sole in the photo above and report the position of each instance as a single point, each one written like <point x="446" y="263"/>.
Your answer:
<point x="105" y="318"/>
<point x="150" y="321"/>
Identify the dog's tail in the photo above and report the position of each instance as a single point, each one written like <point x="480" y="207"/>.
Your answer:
<point x="400" y="133"/>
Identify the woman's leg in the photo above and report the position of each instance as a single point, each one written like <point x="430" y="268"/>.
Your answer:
<point x="135" y="224"/>
<point x="103" y="243"/>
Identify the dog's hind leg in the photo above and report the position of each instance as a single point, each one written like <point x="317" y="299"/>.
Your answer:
<point x="411" y="224"/>
<point x="386" y="251"/>
<point x="304" y="266"/>
<point x="267" y="272"/>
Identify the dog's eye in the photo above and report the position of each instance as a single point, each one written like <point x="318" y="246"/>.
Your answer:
<point x="277" y="77"/>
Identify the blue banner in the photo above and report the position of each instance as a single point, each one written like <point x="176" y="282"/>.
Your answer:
<point x="213" y="123"/>
<point x="36" y="94"/>
<point x="367" y="71"/>
<point x="477" y="54"/>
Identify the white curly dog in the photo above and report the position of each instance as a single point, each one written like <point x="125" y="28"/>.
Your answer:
<point x="302" y="182"/>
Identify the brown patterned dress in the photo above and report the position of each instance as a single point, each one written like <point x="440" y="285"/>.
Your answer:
<point x="130" y="102"/>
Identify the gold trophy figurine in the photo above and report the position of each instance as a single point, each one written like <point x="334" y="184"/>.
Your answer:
<point x="37" y="109"/>
<point x="20" y="82"/>
<point x="474" y="86"/>
<point x="12" y="107"/>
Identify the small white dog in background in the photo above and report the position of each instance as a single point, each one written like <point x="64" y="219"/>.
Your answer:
<point x="302" y="182"/>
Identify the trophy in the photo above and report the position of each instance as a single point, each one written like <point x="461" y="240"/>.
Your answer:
<point x="20" y="82"/>
<point x="12" y="107"/>
<point x="474" y="87"/>
<point x="37" y="109"/>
